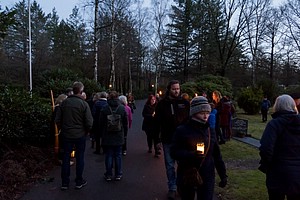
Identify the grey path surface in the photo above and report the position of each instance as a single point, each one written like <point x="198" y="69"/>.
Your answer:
<point x="144" y="176"/>
<point x="249" y="140"/>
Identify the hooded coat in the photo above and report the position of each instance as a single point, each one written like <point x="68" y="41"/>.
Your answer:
<point x="280" y="153"/>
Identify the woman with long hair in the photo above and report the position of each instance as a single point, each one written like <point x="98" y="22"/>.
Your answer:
<point x="149" y="125"/>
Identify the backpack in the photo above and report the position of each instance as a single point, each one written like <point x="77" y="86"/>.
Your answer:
<point x="114" y="123"/>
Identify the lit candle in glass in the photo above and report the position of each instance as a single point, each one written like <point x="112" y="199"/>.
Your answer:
<point x="200" y="147"/>
<point x="73" y="154"/>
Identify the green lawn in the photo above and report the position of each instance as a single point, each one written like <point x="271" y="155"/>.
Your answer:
<point x="245" y="181"/>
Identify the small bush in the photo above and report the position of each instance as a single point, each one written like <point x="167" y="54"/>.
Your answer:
<point x="250" y="99"/>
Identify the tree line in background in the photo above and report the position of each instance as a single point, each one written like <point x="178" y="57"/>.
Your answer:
<point x="135" y="48"/>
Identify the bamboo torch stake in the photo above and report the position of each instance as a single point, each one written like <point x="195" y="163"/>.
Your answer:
<point x="56" y="142"/>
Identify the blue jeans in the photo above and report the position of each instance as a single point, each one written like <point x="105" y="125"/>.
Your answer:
<point x="68" y="145"/>
<point x="113" y="154"/>
<point x="170" y="167"/>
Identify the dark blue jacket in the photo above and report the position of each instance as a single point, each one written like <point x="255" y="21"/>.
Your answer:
<point x="212" y="118"/>
<point x="183" y="149"/>
<point x="99" y="104"/>
<point x="280" y="152"/>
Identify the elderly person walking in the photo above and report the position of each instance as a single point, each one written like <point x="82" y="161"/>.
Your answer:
<point x="124" y="102"/>
<point x="280" y="151"/>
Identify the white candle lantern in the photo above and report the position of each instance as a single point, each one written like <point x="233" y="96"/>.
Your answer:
<point x="200" y="147"/>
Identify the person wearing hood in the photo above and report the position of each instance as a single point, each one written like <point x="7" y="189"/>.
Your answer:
<point x="197" y="153"/>
<point x="280" y="151"/>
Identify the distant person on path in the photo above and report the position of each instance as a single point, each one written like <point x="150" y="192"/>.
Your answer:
<point x="280" y="151"/>
<point x="265" y="105"/>
<point x="100" y="102"/>
<point x="170" y="112"/>
<point x="75" y="120"/>
<point x="194" y="161"/>
<point x="217" y="101"/>
<point x="113" y="140"/>
<point x="131" y="102"/>
<point x="123" y="100"/>
<point x="148" y="125"/>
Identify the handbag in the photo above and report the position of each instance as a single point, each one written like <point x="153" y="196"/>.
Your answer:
<point x="192" y="177"/>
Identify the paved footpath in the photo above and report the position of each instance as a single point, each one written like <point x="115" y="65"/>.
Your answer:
<point x="144" y="176"/>
<point x="249" y="140"/>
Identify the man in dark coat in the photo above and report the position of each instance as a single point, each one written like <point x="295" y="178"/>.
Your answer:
<point x="75" y="120"/>
<point x="170" y="112"/>
<point x="187" y="138"/>
<point x="264" y="108"/>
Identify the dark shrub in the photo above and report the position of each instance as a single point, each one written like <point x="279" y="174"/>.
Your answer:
<point x="27" y="117"/>
<point x="249" y="99"/>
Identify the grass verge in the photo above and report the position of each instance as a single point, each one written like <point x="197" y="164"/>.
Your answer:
<point x="245" y="181"/>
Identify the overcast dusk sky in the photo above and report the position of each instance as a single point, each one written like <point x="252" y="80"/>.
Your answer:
<point x="64" y="7"/>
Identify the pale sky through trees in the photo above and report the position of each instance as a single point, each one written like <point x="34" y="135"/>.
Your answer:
<point x="64" y="7"/>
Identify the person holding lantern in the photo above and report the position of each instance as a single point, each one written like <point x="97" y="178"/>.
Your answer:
<point x="198" y="154"/>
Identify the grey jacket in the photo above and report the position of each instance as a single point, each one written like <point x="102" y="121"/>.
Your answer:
<point x="74" y="117"/>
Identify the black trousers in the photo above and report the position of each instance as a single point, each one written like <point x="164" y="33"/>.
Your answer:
<point x="264" y="115"/>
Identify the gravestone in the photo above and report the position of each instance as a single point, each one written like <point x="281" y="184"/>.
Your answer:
<point x="239" y="127"/>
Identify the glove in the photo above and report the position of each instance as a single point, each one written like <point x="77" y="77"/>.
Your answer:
<point x="223" y="182"/>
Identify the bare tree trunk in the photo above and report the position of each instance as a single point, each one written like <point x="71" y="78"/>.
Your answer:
<point x="96" y="40"/>
<point x="113" y="71"/>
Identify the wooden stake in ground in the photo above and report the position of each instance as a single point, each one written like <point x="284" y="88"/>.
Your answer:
<point x="56" y="141"/>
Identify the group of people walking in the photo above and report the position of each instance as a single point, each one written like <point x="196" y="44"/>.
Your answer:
<point x="188" y="133"/>
<point x="181" y="126"/>
<point x="173" y="125"/>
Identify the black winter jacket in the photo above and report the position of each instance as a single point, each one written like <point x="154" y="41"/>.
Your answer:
<point x="169" y="114"/>
<point x="148" y="122"/>
<point x="183" y="149"/>
<point x="280" y="153"/>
